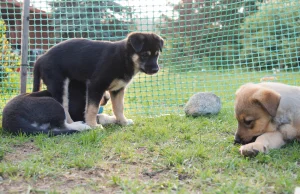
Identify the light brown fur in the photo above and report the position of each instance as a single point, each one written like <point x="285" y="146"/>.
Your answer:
<point x="118" y="108"/>
<point x="268" y="111"/>
<point x="89" y="118"/>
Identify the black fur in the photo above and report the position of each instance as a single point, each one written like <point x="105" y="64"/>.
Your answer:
<point x="97" y="63"/>
<point x="21" y="112"/>
<point x="77" y="100"/>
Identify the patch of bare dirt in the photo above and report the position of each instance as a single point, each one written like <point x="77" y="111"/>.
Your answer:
<point x="94" y="180"/>
<point x="20" y="152"/>
<point x="91" y="181"/>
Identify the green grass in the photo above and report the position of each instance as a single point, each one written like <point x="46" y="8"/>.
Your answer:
<point x="167" y="92"/>
<point x="163" y="152"/>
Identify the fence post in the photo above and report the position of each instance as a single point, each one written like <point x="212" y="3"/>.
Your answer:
<point x="24" y="44"/>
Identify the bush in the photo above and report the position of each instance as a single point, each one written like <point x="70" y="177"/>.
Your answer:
<point x="205" y="33"/>
<point x="271" y="37"/>
<point x="9" y="63"/>
<point x="97" y="20"/>
<point x="176" y="55"/>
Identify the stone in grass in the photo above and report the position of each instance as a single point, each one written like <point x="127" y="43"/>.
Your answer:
<point x="203" y="103"/>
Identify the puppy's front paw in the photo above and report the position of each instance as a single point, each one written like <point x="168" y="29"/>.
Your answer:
<point x="94" y="125"/>
<point x="105" y="119"/>
<point x="98" y="126"/>
<point x="252" y="149"/>
<point x="80" y="126"/>
<point x="130" y="122"/>
<point x="126" y="122"/>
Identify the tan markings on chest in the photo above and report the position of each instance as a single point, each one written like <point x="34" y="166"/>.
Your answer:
<point x="117" y="84"/>
<point x="136" y="63"/>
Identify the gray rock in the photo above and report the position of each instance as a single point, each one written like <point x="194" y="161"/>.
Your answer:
<point x="203" y="103"/>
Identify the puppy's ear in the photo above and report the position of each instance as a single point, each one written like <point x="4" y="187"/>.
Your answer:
<point x="268" y="99"/>
<point x="137" y="42"/>
<point x="161" y="44"/>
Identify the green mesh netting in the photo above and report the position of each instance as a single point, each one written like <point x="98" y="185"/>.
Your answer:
<point x="211" y="45"/>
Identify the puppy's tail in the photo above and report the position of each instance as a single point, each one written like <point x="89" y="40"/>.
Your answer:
<point x="36" y="77"/>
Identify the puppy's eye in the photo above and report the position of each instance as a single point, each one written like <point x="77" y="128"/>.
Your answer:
<point x="144" y="55"/>
<point x="248" y="122"/>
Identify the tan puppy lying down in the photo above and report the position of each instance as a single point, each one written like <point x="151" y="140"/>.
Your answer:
<point x="268" y="116"/>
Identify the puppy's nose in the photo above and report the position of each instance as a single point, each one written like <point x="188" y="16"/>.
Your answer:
<point x="154" y="70"/>
<point x="237" y="140"/>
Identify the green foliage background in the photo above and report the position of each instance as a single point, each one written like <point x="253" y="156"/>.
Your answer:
<point x="210" y="45"/>
<point x="98" y="20"/>
<point x="271" y="37"/>
<point x="9" y="64"/>
<point x="255" y="34"/>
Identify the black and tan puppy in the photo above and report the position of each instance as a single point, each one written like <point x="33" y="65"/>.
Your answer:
<point x="37" y="113"/>
<point x="103" y="66"/>
<point x="268" y="116"/>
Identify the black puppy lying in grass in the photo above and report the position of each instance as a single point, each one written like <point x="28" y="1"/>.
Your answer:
<point x="37" y="113"/>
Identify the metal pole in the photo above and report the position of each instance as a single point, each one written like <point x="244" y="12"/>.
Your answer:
<point x="24" y="44"/>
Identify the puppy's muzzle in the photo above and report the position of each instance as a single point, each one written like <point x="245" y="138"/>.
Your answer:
<point x="237" y="140"/>
<point x="153" y="70"/>
<point x="151" y="67"/>
<point x="150" y="71"/>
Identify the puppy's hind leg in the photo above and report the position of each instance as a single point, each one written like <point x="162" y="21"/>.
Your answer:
<point x="92" y="105"/>
<point x="65" y="100"/>
<point x="58" y="87"/>
<point x="105" y="98"/>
